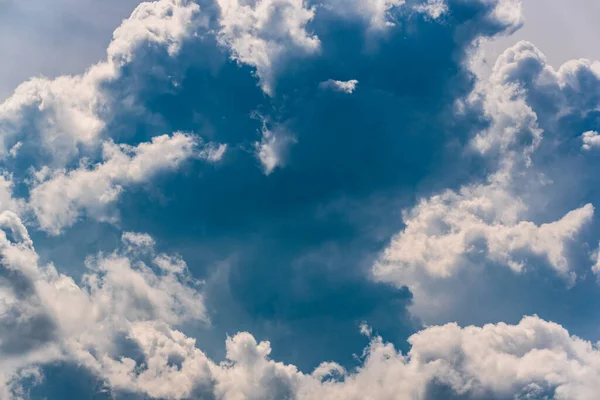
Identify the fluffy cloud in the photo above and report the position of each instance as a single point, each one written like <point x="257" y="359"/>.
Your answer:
<point x="47" y="317"/>
<point x="527" y="97"/>
<point x="123" y="298"/>
<point x="590" y="139"/>
<point x="490" y="223"/>
<point x="69" y="112"/>
<point x="266" y="34"/>
<point x="125" y="322"/>
<point x="347" y="87"/>
<point x="59" y="199"/>
<point x="442" y="233"/>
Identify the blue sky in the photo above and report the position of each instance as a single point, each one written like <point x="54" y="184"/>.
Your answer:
<point x="289" y="199"/>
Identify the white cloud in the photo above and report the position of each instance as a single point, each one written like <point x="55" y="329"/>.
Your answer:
<point x="453" y="235"/>
<point x="521" y="73"/>
<point x="591" y="140"/>
<point x="47" y="317"/>
<point x="508" y="13"/>
<point x="122" y="296"/>
<point x="163" y="22"/>
<point x="376" y="13"/>
<point x="67" y="112"/>
<point x="491" y="223"/>
<point x="137" y="240"/>
<point x="60" y="198"/>
<point x="514" y="125"/>
<point x="433" y="8"/>
<point x="443" y="232"/>
<point x="534" y="358"/>
<point x="266" y="34"/>
<point x="347" y="87"/>
<point x="273" y="148"/>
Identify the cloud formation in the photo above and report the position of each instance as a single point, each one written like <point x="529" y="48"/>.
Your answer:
<point x="266" y="34"/>
<point x="295" y="236"/>
<point x="59" y="197"/>
<point x="48" y="317"/>
<point x="532" y="108"/>
<point x="591" y="140"/>
<point x="118" y="323"/>
<point x="64" y="114"/>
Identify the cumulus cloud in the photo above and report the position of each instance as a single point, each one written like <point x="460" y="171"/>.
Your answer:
<point x="591" y="140"/>
<point x="69" y="112"/>
<point x="490" y="223"/>
<point x="527" y="97"/>
<point x="122" y="296"/>
<point x="59" y="199"/>
<point x="347" y="87"/>
<point x="457" y="234"/>
<point x="125" y="298"/>
<point x="48" y="317"/>
<point x="443" y="232"/>
<point x="273" y="148"/>
<point x="125" y="321"/>
<point x="266" y="34"/>
<point x="137" y="240"/>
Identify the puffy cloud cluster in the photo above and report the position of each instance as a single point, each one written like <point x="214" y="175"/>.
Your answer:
<point x="47" y="317"/>
<point x="274" y="147"/>
<point x="125" y="321"/>
<point x="347" y="87"/>
<point x="119" y="324"/>
<point x="591" y="140"/>
<point x="266" y="34"/>
<point x="533" y="110"/>
<point x="68" y="113"/>
<point x="446" y="231"/>
<point x="59" y="198"/>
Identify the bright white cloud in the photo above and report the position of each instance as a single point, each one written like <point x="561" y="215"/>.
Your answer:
<point x="591" y="140"/>
<point x="137" y="294"/>
<point x="266" y="34"/>
<point x="67" y="112"/>
<point x="522" y="72"/>
<point x="137" y="240"/>
<point x="490" y="223"/>
<point x="347" y="87"/>
<point x="123" y="296"/>
<point x="47" y="317"/>
<point x="442" y="233"/>
<point x="59" y="199"/>
<point x="533" y="358"/>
